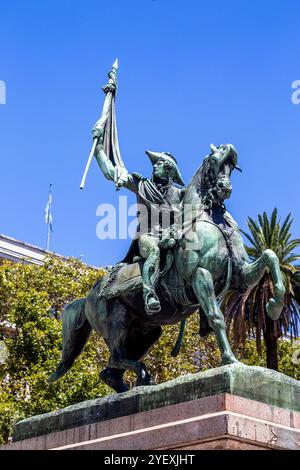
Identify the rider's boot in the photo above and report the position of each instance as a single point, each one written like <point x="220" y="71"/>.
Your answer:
<point x="150" y="276"/>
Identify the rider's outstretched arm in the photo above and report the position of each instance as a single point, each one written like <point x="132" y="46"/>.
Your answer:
<point x="107" y="167"/>
<point x="104" y="163"/>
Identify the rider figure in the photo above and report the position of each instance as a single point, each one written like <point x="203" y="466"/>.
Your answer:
<point x="158" y="200"/>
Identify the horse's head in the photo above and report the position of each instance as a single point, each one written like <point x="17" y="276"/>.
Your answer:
<point x="215" y="184"/>
<point x="212" y="181"/>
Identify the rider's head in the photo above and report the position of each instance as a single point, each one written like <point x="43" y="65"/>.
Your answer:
<point x="165" y="166"/>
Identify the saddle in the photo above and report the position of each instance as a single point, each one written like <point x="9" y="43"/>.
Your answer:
<point x="121" y="279"/>
<point x="124" y="278"/>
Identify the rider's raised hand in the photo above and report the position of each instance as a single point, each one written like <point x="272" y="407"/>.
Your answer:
<point x="109" y="87"/>
<point x="137" y="176"/>
<point x="98" y="133"/>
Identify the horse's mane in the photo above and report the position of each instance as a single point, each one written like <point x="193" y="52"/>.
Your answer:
<point x="200" y="189"/>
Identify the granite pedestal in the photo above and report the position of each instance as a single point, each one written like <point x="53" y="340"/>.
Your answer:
<point x="231" y="407"/>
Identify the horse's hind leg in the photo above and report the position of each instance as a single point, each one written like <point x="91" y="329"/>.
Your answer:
<point x="137" y="345"/>
<point x="118" y="363"/>
<point x="122" y="357"/>
<point x="203" y="286"/>
<point x="129" y="352"/>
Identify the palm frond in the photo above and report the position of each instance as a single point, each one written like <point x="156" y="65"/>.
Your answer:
<point x="285" y="228"/>
<point x="266" y="229"/>
<point x="290" y="259"/>
<point x="250" y="239"/>
<point x="257" y="235"/>
<point x="276" y="244"/>
<point x="252" y="252"/>
<point x="289" y="247"/>
<point x="273" y="224"/>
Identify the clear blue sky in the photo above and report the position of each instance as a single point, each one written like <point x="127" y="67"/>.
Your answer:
<point x="191" y="72"/>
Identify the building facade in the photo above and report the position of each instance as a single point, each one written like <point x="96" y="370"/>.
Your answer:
<point x="17" y="252"/>
<point x="20" y="252"/>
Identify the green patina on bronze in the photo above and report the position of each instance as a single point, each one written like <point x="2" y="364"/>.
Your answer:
<point x="170" y="270"/>
<point x="255" y="383"/>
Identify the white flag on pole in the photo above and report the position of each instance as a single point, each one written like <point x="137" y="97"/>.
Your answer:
<point x="48" y="210"/>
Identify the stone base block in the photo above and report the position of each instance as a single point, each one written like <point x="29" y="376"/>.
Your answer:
<point x="225" y="408"/>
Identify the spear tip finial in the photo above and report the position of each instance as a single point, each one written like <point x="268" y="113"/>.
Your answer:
<point x="116" y="64"/>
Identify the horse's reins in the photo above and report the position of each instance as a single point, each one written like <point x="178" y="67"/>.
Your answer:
<point x="227" y="238"/>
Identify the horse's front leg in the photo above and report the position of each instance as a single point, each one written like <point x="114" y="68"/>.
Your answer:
<point x="203" y="287"/>
<point x="252" y="273"/>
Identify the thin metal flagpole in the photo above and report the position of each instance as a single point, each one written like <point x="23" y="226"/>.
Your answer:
<point x="48" y="238"/>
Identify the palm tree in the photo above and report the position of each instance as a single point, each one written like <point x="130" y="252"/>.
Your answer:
<point x="246" y="312"/>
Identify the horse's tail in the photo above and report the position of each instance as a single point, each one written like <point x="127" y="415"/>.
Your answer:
<point x="76" y="331"/>
<point x="176" y="349"/>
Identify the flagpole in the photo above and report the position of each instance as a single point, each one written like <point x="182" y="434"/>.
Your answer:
<point x="48" y="238"/>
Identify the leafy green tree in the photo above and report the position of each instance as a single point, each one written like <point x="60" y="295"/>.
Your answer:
<point x="247" y="311"/>
<point x="32" y="298"/>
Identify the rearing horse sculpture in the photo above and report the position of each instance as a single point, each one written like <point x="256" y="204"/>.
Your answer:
<point x="208" y="260"/>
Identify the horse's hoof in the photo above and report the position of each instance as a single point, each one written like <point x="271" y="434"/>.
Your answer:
<point x="113" y="380"/>
<point x="273" y="309"/>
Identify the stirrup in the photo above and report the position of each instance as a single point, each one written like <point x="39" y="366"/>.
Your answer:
<point x="151" y="311"/>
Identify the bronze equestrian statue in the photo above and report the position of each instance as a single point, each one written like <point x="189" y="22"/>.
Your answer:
<point x="170" y="272"/>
